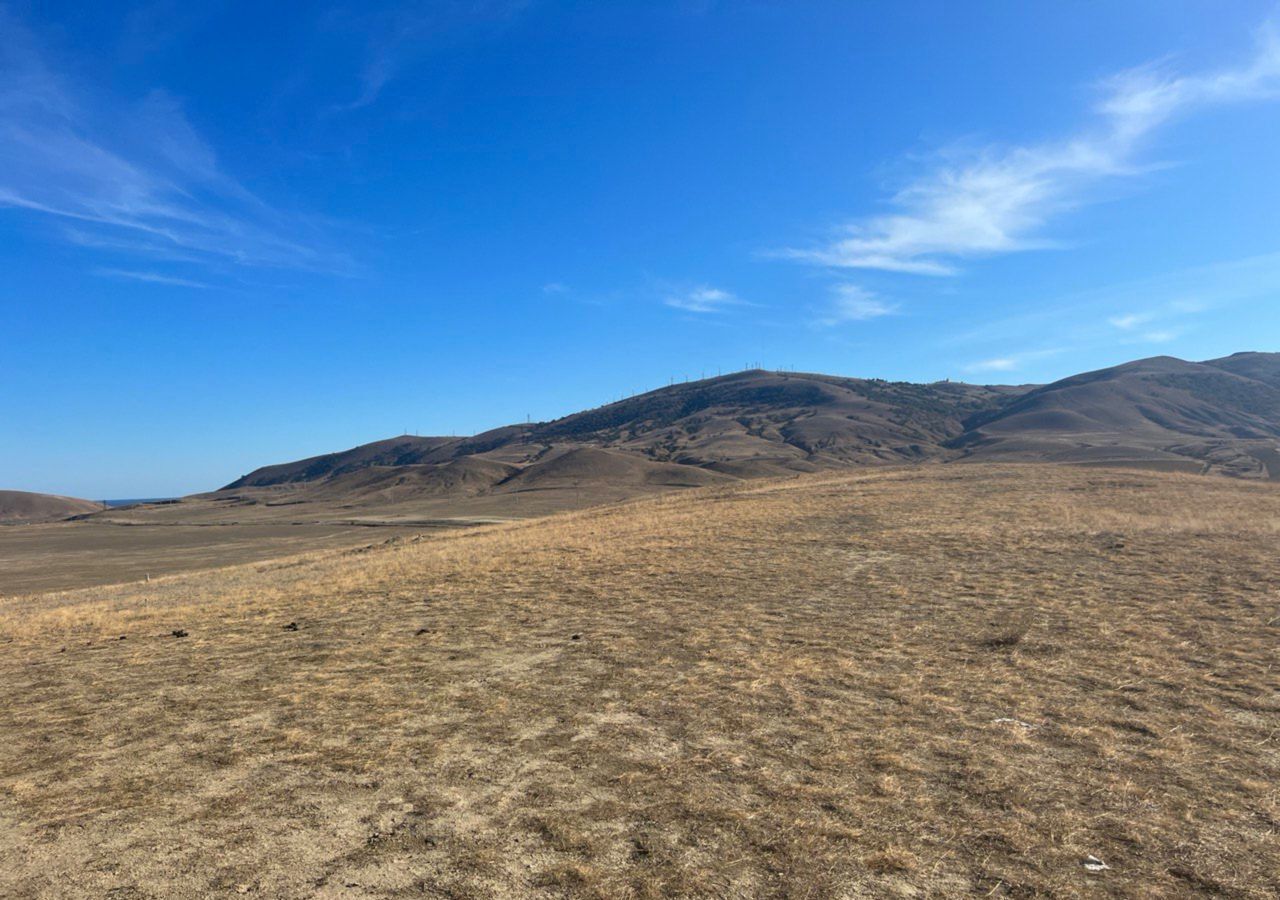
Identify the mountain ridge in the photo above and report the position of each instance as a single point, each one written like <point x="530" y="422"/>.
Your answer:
<point x="1220" y="415"/>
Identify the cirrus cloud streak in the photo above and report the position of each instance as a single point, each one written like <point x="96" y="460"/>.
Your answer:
<point x="998" y="201"/>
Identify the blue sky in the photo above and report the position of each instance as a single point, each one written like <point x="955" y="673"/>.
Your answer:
<point x="246" y="233"/>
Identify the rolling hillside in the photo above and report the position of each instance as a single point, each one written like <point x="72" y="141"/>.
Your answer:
<point x="741" y="425"/>
<point x="1220" y="416"/>
<point x="23" y="506"/>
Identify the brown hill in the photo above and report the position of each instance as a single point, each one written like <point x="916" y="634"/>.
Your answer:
<point x="787" y="418"/>
<point x="1222" y="416"/>
<point x="399" y="451"/>
<point x="741" y="425"/>
<point x="23" y="506"/>
<point x="464" y="476"/>
<point x="1263" y="367"/>
<point x="591" y="465"/>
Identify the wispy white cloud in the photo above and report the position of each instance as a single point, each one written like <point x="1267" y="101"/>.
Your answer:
<point x="851" y="303"/>
<point x="1132" y="327"/>
<point x="1012" y="362"/>
<point x="398" y="37"/>
<point x="1129" y="321"/>
<point x="996" y="364"/>
<point x="1085" y="316"/>
<point x="1160" y="324"/>
<point x="554" y="287"/>
<point x="132" y="176"/>
<point x="150" y="278"/>
<point x="999" y="200"/>
<point x="702" y="300"/>
<point x="382" y="64"/>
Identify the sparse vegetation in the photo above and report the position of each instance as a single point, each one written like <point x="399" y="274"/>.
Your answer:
<point x="932" y="681"/>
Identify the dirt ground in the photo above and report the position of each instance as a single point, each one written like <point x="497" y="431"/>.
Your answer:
<point x="939" y="681"/>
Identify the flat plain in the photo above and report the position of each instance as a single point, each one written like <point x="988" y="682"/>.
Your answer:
<point x="134" y="544"/>
<point x="64" y="555"/>
<point x="934" y="681"/>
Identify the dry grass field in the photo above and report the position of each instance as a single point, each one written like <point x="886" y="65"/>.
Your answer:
<point x="61" y="555"/>
<point x="938" y="681"/>
<point x="134" y="543"/>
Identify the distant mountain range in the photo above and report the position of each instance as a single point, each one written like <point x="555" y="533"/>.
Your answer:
<point x="1220" y="416"/>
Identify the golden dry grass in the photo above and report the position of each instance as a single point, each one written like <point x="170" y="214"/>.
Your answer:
<point x="929" y="682"/>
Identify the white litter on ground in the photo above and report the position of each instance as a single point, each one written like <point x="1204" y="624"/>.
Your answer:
<point x="1004" y="720"/>
<point x="1093" y="864"/>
